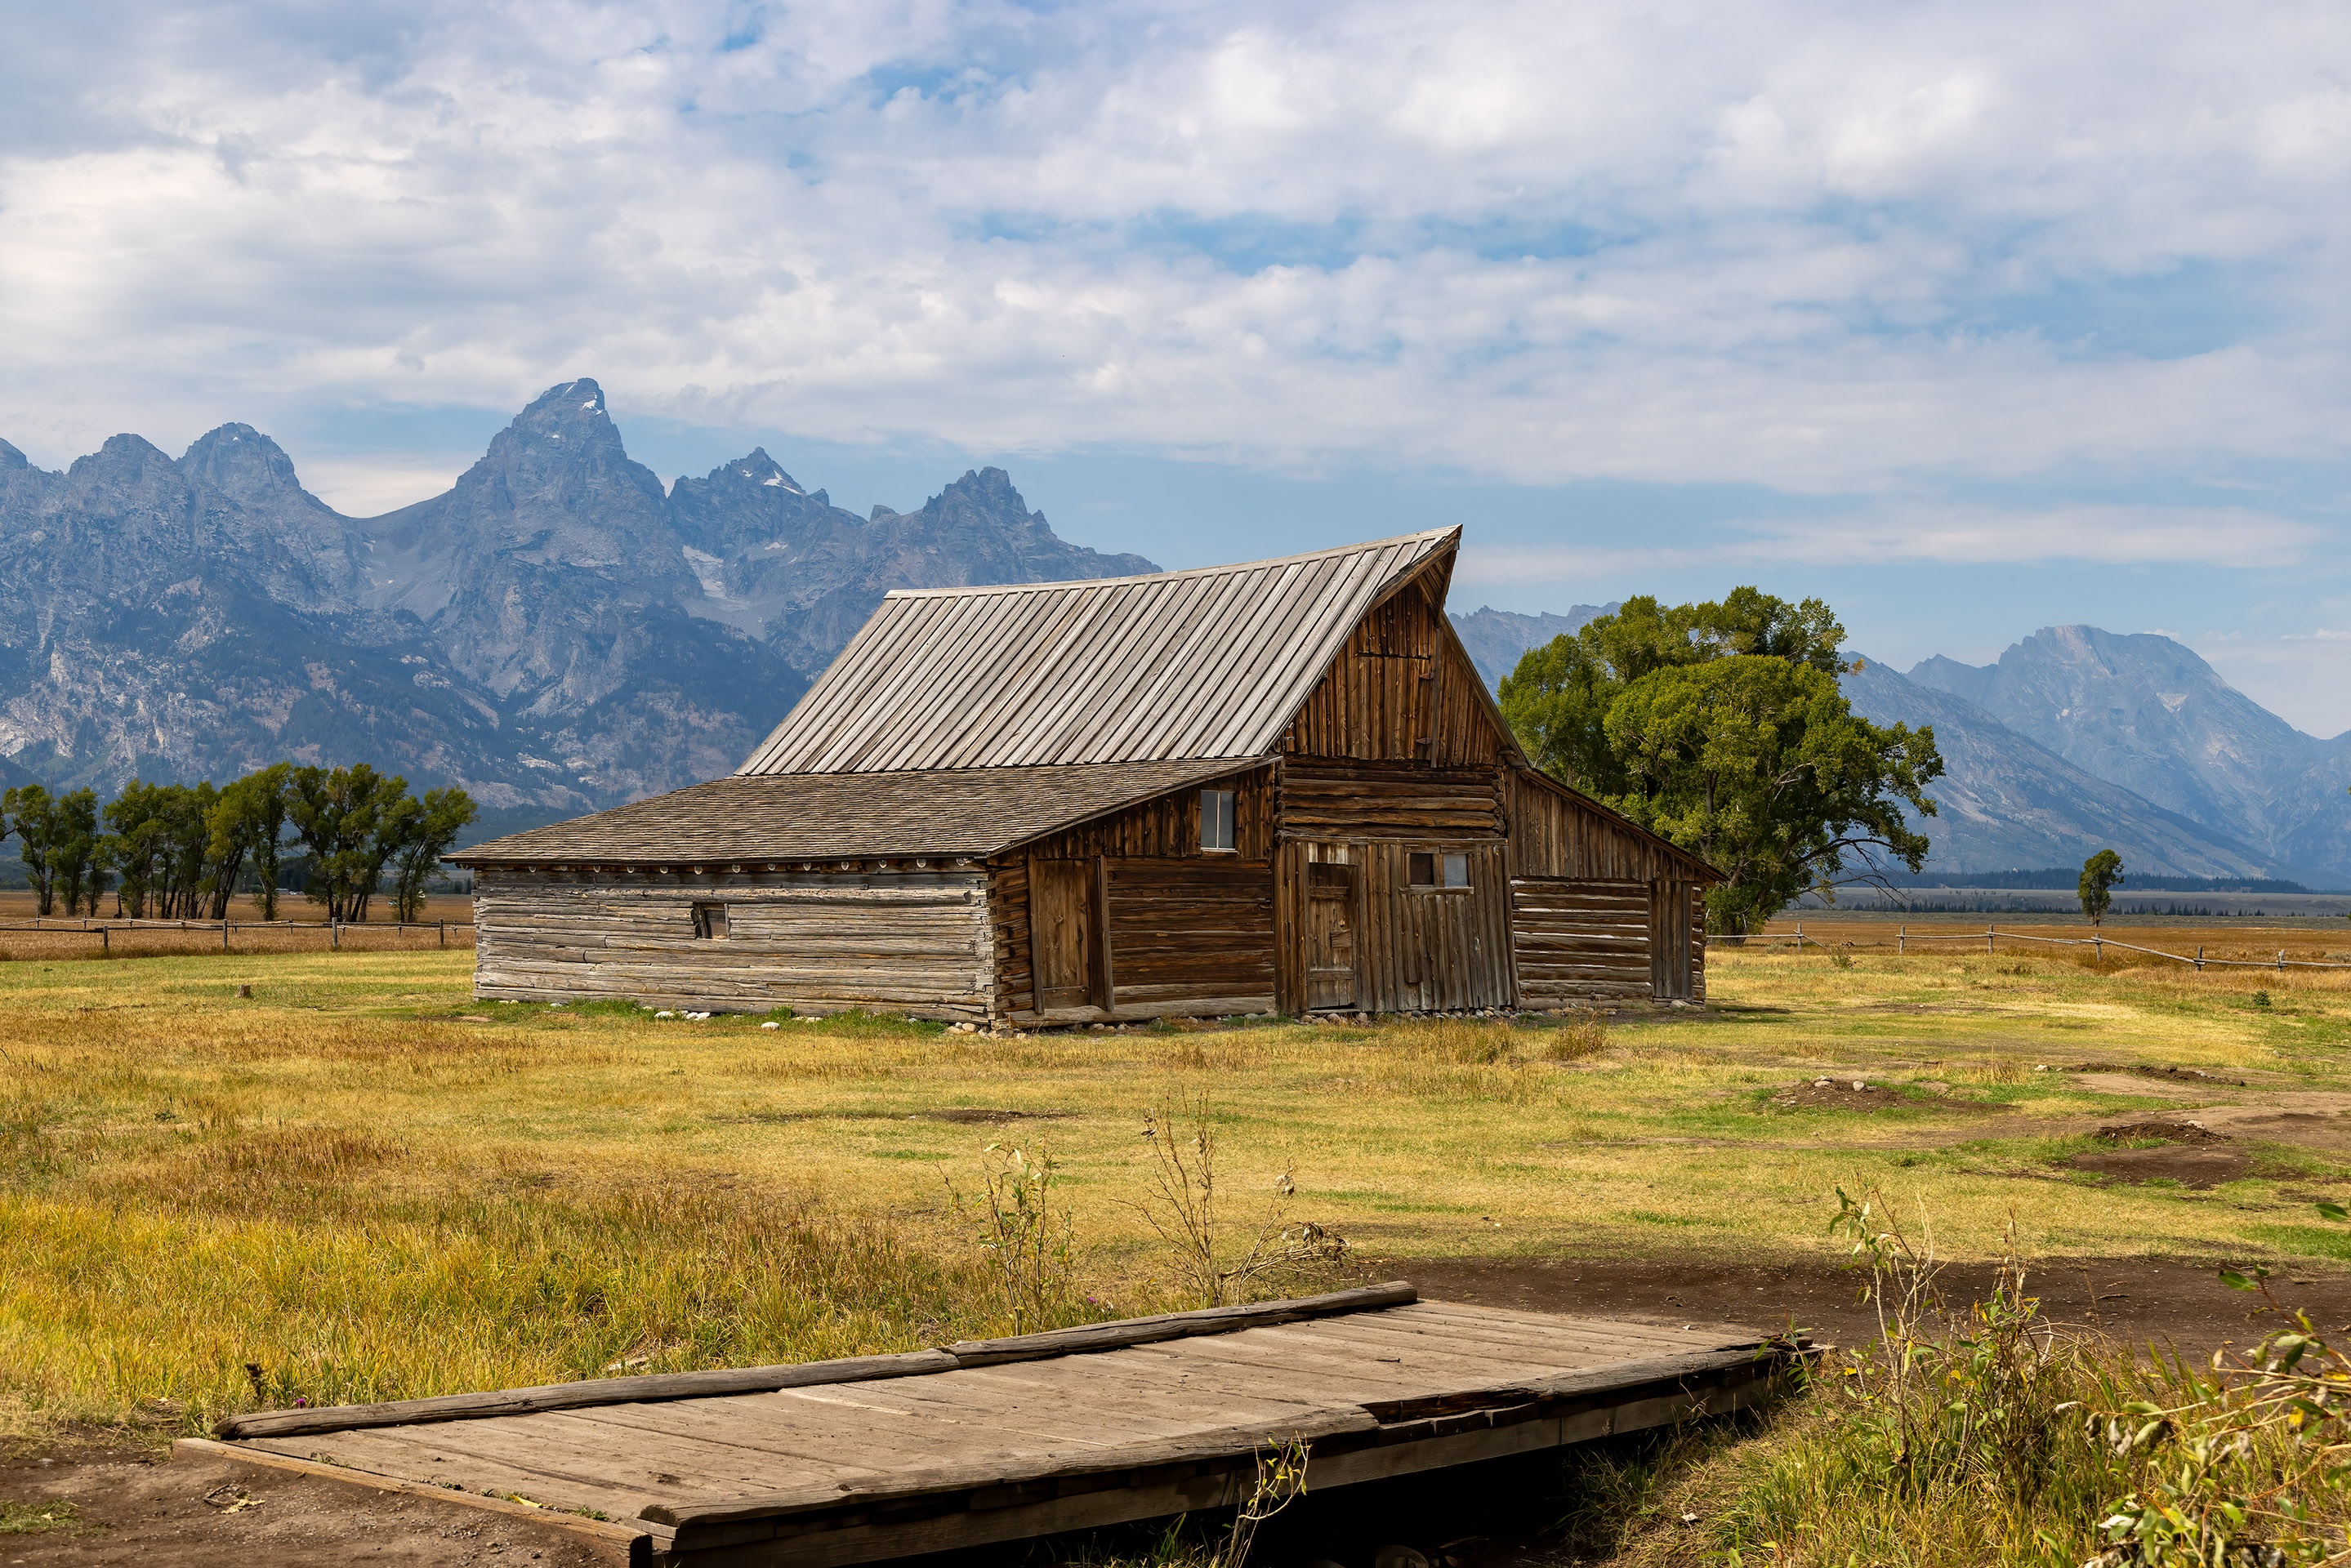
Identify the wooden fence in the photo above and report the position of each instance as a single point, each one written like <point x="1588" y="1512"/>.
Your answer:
<point x="105" y="930"/>
<point x="1990" y="936"/>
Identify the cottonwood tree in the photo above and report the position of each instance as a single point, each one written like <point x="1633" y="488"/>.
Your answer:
<point x="2100" y="872"/>
<point x="1720" y="727"/>
<point x="429" y="830"/>
<point x="29" y="812"/>
<point x="340" y="813"/>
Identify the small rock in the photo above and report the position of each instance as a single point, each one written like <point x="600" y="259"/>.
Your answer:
<point x="664" y="1013"/>
<point x="1858" y="1086"/>
<point x="771" y="1023"/>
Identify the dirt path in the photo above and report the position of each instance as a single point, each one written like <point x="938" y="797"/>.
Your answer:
<point x="136" y="1511"/>
<point x="2135" y="1300"/>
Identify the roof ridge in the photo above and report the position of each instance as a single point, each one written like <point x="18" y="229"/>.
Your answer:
<point x="1188" y="572"/>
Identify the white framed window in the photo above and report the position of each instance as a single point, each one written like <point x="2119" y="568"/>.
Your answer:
<point x="710" y="921"/>
<point x="1217" y="818"/>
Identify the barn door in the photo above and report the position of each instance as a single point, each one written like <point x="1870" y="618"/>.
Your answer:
<point x="1669" y="940"/>
<point x="1329" y="934"/>
<point x="1065" y="933"/>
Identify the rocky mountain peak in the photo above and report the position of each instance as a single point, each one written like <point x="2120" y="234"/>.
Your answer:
<point x="10" y="458"/>
<point x="248" y="468"/>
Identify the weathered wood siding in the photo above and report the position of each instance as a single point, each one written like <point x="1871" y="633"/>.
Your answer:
<point x="1556" y="833"/>
<point x="1189" y="930"/>
<point x="1578" y="939"/>
<point x="1400" y="690"/>
<point x="1324" y="800"/>
<point x="817" y="941"/>
<point x="1168" y="826"/>
<point x="1186" y="936"/>
<point x="1590" y="899"/>
<point x="1414" y="948"/>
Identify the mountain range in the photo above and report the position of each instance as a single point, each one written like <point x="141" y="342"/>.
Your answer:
<point x="2077" y="739"/>
<point x="557" y="632"/>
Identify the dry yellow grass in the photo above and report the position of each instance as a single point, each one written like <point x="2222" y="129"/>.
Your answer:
<point x="367" y="1185"/>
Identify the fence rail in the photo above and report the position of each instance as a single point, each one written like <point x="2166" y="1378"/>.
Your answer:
<point x="51" y="925"/>
<point x="1991" y="935"/>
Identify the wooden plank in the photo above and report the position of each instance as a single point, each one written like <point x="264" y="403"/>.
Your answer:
<point x="1210" y="1445"/>
<point x="1180" y="1325"/>
<point x="576" y="1395"/>
<point x="638" y="1539"/>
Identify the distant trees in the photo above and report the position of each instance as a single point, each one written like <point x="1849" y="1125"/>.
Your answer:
<point x="1720" y="727"/>
<point x="57" y="840"/>
<point x="2100" y="872"/>
<point x="178" y="851"/>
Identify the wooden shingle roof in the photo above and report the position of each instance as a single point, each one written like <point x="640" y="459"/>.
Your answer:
<point x="1200" y="664"/>
<point x="843" y="816"/>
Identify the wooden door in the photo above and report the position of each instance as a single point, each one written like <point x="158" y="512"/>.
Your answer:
<point x="1064" y="936"/>
<point x="1669" y="940"/>
<point x="1330" y="935"/>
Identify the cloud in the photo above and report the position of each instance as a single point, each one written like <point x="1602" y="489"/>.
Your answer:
<point x="1916" y="534"/>
<point x="1825" y="250"/>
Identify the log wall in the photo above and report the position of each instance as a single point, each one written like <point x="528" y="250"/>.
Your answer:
<point x="1326" y="800"/>
<point x="896" y="941"/>
<point x="1579" y="938"/>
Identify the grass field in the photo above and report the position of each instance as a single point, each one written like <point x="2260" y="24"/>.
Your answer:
<point x="358" y="1183"/>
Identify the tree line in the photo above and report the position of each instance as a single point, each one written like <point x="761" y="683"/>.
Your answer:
<point x="178" y="851"/>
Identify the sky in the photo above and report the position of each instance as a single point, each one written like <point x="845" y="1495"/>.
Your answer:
<point x="1969" y="318"/>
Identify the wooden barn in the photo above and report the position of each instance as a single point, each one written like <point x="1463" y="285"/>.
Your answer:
<point x="1279" y="787"/>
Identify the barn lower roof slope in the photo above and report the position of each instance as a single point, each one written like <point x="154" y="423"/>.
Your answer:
<point x="843" y="816"/>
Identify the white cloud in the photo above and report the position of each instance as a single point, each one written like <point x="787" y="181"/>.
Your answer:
<point x="1827" y="250"/>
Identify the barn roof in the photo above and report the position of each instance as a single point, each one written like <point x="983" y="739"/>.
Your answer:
<point x="843" y="816"/>
<point x="1210" y="663"/>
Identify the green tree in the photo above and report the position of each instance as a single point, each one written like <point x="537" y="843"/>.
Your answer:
<point x="339" y="814"/>
<point x="2100" y="872"/>
<point x="29" y="812"/>
<point x="137" y="846"/>
<point x="80" y="870"/>
<point x="441" y="815"/>
<point x="248" y="821"/>
<point x="1720" y="727"/>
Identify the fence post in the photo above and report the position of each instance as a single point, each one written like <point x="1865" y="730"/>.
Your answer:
<point x="1800" y="936"/>
<point x="1902" y="941"/>
<point x="2281" y="961"/>
<point x="2099" y="944"/>
<point x="1991" y="931"/>
<point x="444" y="926"/>
<point x="335" y="934"/>
<point x="105" y="942"/>
<point x="2200" y="958"/>
<point x="223" y="933"/>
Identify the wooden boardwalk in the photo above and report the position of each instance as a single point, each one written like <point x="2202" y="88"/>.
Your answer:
<point x="880" y="1456"/>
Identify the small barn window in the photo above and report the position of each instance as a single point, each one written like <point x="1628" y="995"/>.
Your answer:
<point x="1215" y="819"/>
<point x="1428" y="869"/>
<point x="710" y="921"/>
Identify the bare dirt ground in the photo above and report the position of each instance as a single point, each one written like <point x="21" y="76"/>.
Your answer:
<point x="2138" y="1301"/>
<point x="135" y="1509"/>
